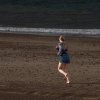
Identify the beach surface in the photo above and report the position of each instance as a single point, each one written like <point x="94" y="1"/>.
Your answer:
<point x="28" y="68"/>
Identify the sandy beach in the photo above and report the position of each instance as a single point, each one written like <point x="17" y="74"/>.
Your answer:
<point x="28" y="68"/>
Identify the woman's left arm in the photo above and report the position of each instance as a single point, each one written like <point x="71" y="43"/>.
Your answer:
<point x="57" y="48"/>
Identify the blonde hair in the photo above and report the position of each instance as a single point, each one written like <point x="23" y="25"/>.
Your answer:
<point x="61" y="38"/>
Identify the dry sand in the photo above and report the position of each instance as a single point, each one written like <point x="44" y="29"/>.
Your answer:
<point x="28" y="68"/>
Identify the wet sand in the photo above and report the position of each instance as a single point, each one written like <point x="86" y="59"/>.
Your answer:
<point x="28" y="68"/>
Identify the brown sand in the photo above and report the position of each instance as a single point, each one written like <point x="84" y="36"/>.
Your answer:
<point x="28" y="68"/>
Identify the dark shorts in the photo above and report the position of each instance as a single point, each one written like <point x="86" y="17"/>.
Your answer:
<point x="64" y="58"/>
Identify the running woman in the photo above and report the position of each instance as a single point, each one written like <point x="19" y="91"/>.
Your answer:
<point x="64" y="59"/>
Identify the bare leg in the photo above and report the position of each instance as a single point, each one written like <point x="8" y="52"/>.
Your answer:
<point x="67" y="79"/>
<point x="67" y="75"/>
<point x="61" y="69"/>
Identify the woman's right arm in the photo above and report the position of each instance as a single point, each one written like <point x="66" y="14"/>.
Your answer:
<point x="66" y="48"/>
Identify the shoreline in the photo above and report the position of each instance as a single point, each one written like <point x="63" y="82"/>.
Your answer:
<point x="44" y="34"/>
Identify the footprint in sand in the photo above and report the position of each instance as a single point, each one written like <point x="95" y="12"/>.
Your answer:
<point x="33" y="93"/>
<point x="88" y="97"/>
<point x="66" y="95"/>
<point x="38" y="93"/>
